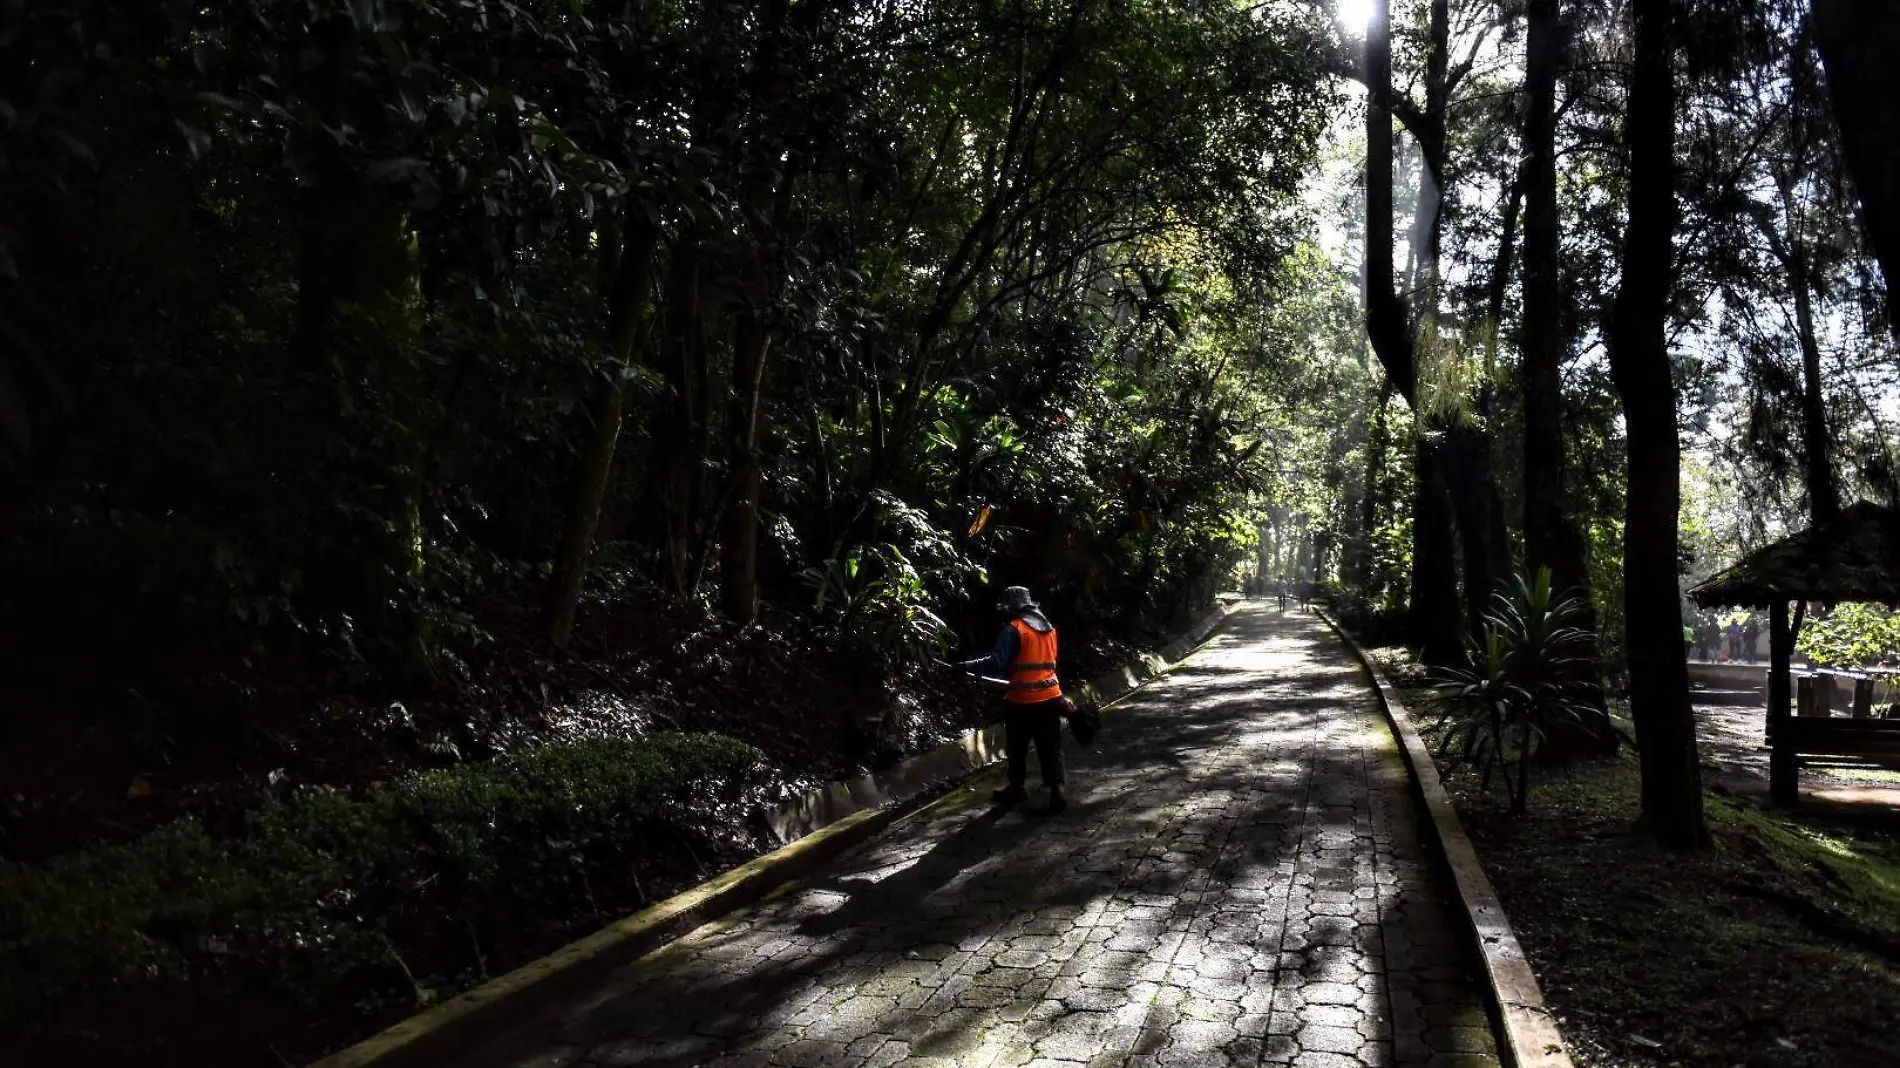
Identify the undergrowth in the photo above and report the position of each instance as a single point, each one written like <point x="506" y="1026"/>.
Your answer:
<point x="1777" y="947"/>
<point x="383" y="899"/>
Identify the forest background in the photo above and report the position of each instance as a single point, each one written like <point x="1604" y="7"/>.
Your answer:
<point x="407" y="403"/>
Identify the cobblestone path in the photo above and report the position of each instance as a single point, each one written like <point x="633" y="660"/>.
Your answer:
<point x="1238" y="881"/>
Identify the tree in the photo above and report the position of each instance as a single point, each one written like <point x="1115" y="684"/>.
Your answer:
<point x="1551" y="538"/>
<point x="1794" y="285"/>
<point x="1434" y="587"/>
<point x="626" y="321"/>
<point x="1797" y="254"/>
<point x="1858" y="39"/>
<point x="1640" y="363"/>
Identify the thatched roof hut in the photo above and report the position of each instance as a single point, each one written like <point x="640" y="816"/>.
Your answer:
<point x="1854" y="557"/>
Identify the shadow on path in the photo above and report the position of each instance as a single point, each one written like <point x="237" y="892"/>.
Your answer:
<point x="1237" y="881"/>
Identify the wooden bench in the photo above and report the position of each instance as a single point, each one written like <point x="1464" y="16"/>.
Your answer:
<point x="1819" y="690"/>
<point x="1816" y="737"/>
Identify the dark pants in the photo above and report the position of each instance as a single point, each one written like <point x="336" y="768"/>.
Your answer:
<point x="1042" y="724"/>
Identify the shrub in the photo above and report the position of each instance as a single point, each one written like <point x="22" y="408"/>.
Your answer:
<point x="111" y="914"/>
<point x="1851" y="635"/>
<point x="1522" y="686"/>
<point x="323" y="894"/>
<point x="1372" y="621"/>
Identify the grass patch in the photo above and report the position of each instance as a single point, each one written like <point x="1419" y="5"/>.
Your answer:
<point x="1845" y="873"/>
<point x="1775" y="948"/>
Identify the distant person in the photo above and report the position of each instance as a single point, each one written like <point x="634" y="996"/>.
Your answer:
<point x="1025" y="655"/>
<point x="1688" y="639"/>
<point x="1708" y="639"/>
<point x="1734" y="632"/>
<point x="1282" y="589"/>
<point x="1751" y="636"/>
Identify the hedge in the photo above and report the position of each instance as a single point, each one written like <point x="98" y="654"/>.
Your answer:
<point x="337" y="894"/>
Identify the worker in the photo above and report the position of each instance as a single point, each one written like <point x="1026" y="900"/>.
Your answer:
<point x="1025" y="656"/>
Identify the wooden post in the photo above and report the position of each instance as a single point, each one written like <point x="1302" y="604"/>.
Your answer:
<point x="1863" y="698"/>
<point x="1783" y="779"/>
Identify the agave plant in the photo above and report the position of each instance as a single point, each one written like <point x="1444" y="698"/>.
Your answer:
<point x="880" y="607"/>
<point x="1522" y="685"/>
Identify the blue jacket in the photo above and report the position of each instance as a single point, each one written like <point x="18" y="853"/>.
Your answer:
<point x="996" y="665"/>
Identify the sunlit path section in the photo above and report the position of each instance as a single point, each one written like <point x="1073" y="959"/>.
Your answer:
<point x="1239" y="881"/>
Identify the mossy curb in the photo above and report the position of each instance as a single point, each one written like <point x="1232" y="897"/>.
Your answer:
<point x="430" y="1036"/>
<point x="1528" y="1036"/>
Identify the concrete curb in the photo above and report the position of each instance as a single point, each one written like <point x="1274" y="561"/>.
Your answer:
<point x="852" y="813"/>
<point x="1528" y="1035"/>
<point x="432" y="1035"/>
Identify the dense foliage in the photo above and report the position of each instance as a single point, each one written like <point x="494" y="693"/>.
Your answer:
<point x="1850" y="636"/>
<point x="329" y="322"/>
<point x="340" y="337"/>
<point x="366" y="902"/>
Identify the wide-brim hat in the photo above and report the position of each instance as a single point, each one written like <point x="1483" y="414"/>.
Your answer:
<point x="1016" y="599"/>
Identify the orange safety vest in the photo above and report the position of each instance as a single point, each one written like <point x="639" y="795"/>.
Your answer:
<point x="1032" y="673"/>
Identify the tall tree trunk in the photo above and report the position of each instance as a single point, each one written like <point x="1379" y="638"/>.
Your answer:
<point x="1362" y="560"/>
<point x="679" y="448"/>
<point x="1824" y="495"/>
<point x="1434" y="619"/>
<point x="1551" y="537"/>
<point x="1797" y="258"/>
<point x="680" y="445"/>
<point x="1385" y="315"/>
<point x="745" y="422"/>
<point x="1429" y="211"/>
<point x="359" y="321"/>
<point x="1466" y="449"/>
<point x="1858" y="40"/>
<point x="1434" y="585"/>
<point x="1640" y="365"/>
<point x="1500" y="284"/>
<point x="626" y="316"/>
<point x="1483" y="539"/>
<point x="768" y="199"/>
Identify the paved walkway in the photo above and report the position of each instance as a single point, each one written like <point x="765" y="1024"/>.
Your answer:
<point x="1238" y="881"/>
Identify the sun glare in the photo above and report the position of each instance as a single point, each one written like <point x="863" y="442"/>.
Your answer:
<point x="1354" y="14"/>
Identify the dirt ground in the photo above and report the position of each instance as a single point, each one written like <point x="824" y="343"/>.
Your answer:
<point x="1776" y="947"/>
